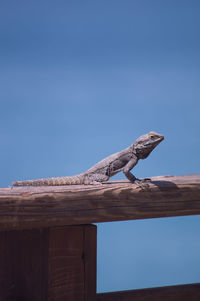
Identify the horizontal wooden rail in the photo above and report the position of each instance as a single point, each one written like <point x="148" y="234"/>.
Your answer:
<point x="189" y="292"/>
<point x="33" y="207"/>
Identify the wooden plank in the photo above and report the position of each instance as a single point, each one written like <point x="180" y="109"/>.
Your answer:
<point x="55" y="264"/>
<point x="23" y="265"/>
<point x="90" y="260"/>
<point x="66" y="268"/>
<point x="32" y="207"/>
<point x="187" y="292"/>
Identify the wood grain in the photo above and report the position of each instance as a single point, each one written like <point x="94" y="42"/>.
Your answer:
<point x="72" y="263"/>
<point x="23" y="265"/>
<point x="55" y="264"/>
<point x="66" y="268"/>
<point x="90" y="261"/>
<point x="189" y="292"/>
<point x="33" y="207"/>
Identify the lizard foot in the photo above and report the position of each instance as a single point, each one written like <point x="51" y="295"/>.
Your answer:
<point x="142" y="183"/>
<point x="145" y="180"/>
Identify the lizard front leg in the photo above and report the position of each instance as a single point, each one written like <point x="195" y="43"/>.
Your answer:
<point x="130" y="176"/>
<point x="127" y="168"/>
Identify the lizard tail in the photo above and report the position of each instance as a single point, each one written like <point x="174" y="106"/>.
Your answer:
<point x="78" y="179"/>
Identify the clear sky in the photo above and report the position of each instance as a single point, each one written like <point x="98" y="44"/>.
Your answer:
<point x="83" y="79"/>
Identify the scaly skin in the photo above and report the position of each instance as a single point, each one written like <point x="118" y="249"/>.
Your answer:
<point x="77" y="179"/>
<point x="108" y="167"/>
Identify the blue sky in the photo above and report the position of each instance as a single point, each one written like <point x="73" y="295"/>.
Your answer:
<point x="81" y="80"/>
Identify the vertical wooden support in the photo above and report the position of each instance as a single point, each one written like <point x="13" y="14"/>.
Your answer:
<point x="54" y="264"/>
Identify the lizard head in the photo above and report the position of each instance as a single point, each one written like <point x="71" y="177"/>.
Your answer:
<point x="146" y="143"/>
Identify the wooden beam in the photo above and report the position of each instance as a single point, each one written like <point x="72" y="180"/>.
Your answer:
<point x="55" y="264"/>
<point x="187" y="292"/>
<point x="47" y="206"/>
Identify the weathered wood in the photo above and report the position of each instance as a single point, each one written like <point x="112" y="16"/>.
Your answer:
<point x="55" y="264"/>
<point x="66" y="269"/>
<point x="32" y="207"/>
<point x="189" y="292"/>
<point x="23" y="265"/>
<point x="90" y="261"/>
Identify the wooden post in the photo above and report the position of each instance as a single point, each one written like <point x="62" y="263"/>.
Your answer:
<point x="55" y="260"/>
<point x="49" y="264"/>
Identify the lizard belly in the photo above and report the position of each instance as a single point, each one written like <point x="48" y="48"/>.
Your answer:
<point x="114" y="172"/>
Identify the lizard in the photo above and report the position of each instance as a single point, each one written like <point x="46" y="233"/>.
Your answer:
<point x="124" y="161"/>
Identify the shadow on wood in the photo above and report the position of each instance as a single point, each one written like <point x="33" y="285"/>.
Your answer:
<point x="56" y="262"/>
<point x="33" y="207"/>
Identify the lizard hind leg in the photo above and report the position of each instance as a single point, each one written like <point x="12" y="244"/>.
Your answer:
<point x="96" y="179"/>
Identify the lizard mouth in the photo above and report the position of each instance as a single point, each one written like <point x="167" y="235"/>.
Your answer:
<point x="159" y="139"/>
<point x="155" y="142"/>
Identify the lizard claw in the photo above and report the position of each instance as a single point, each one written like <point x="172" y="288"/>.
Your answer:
<point x="142" y="183"/>
<point x="146" y="180"/>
